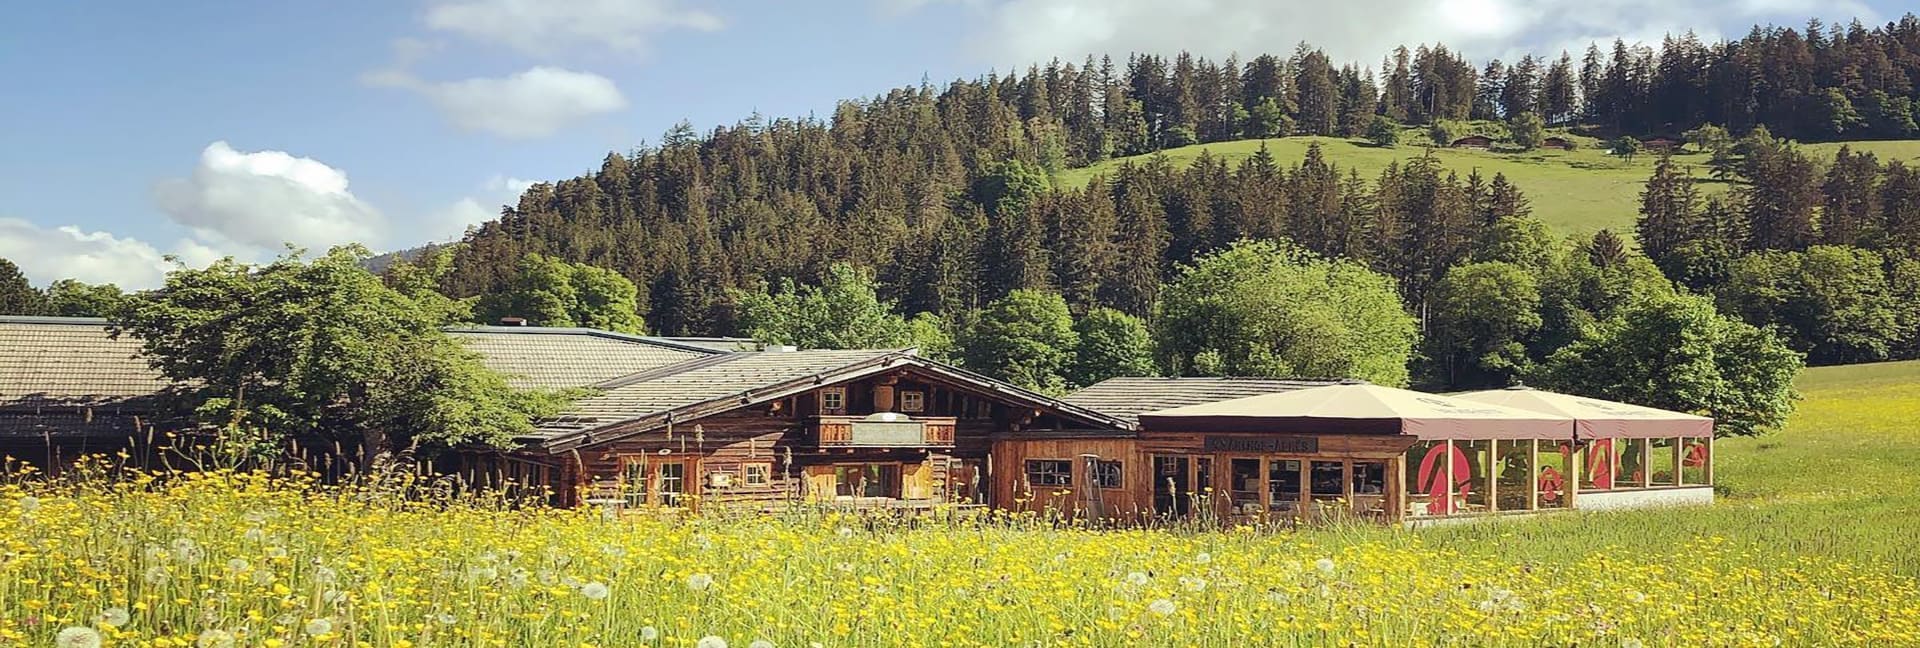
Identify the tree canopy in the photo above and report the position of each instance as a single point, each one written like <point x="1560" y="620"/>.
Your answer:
<point x="321" y="348"/>
<point x="17" y="297"/>
<point x="1678" y="353"/>
<point x="842" y="312"/>
<point x="1025" y="338"/>
<point x="1260" y="308"/>
<point x="547" y="291"/>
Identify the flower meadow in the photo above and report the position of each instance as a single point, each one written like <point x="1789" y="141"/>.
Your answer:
<point x="226" y="558"/>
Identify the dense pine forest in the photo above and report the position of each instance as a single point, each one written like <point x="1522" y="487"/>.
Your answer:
<point x="944" y="192"/>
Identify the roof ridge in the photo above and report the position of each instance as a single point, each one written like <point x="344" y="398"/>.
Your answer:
<point x="580" y="330"/>
<point x="53" y="319"/>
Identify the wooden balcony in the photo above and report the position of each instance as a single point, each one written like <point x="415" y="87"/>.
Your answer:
<point x="883" y="431"/>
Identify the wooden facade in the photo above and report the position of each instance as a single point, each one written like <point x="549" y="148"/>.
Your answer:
<point x="903" y="438"/>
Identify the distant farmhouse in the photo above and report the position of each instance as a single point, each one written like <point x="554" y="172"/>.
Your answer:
<point x="723" y="422"/>
<point x="1556" y="142"/>
<point x="1473" y="142"/>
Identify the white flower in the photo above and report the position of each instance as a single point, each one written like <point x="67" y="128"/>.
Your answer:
<point x="157" y="553"/>
<point x="215" y="639"/>
<point x="844" y="532"/>
<point x="1203" y="558"/>
<point x="1325" y="565"/>
<point x="29" y="504"/>
<point x="649" y="633"/>
<point x="1631" y="643"/>
<point x="113" y="616"/>
<point x="1137" y="579"/>
<point x="237" y="564"/>
<point x="711" y="641"/>
<point x="325" y="575"/>
<point x="319" y="627"/>
<point x="446" y="619"/>
<point x="1193" y="583"/>
<point x="263" y="577"/>
<point x="1160" y="607"/>
<point x="77" y="637"/>
<point x="760" y="643"/>
<point x="254" y="535"/>
<point x="276" y="552"/>
<point x="1279" y="597"/>
<point x="700" y="582"/>
<point x="595" y="590"/>
<point x="333" y="597"/>
<point x="519" y="577"/>
<point x="157" y="575"/>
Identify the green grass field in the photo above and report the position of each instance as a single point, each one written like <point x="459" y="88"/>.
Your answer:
<point x="1814" y="543"/>
<point x="1577" y="191"/>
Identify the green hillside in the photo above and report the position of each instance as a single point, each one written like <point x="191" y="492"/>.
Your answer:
<point x="1577" y="191"/>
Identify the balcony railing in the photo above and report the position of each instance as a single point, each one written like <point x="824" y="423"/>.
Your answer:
<point x="884" y="430"/>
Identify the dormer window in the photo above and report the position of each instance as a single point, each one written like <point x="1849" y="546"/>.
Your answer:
<point x="833" y="400"/>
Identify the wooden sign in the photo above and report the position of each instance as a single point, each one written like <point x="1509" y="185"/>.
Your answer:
<point x="1290" y="445"/>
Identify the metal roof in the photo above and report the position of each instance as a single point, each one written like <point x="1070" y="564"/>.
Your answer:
<point x="1128" y="398"/>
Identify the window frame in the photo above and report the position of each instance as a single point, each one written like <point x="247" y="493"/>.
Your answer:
<point x="1099" y="470"/>
<point x="836" y="393"/>
<point x="1065" y="473"/>
<point x="913" y="401"/>
<point x="747" y="477"/>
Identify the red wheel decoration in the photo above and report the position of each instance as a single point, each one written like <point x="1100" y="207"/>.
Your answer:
<point x="1433" y="478"/>
<point x="1696" y="455"/>
<point x="1551" y="483"/>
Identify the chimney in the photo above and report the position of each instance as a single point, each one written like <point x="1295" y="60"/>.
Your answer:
<point x="513" y="321"/>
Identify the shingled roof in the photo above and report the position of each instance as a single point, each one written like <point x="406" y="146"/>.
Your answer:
<point x="62" y="361"/>
<point x="646" y="401"/>
<point x="1127" y="398"/>
<point x="554" y="358"/>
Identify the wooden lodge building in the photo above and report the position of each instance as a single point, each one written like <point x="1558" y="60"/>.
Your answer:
<point x="690" y="423"/>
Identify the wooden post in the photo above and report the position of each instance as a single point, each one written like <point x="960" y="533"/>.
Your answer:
<point x="1533" y="475"/>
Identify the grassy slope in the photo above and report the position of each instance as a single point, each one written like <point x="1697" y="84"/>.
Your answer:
<point x="1842" y="481"/>
<point x="1577" y="191"/>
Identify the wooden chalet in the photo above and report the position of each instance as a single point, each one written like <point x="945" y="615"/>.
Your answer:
<point x="1561" y="143"/>
<point x="691" y="423"/>
<point x="1660" y="143"/>
<point x="1473" y="142"/>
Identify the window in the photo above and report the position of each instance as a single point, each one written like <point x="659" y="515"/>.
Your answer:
<point x="1106" y="474"/>
<point x="1695" y="457"/>
<point x="1597" y="465"/>
<point x="913" y="401"/>
<point x="1284" y="482"/>
<point x="833" y="400"/>
<point x="673" y="482"/>
<point x="1473" y="488"/>
<point x="1369" y="478"/>
<point x="1661" y="458"/>
<point x="1048" y="473"/>
<point x="1427" y="479"/>
<point x="867" y="480"/>
<point x="633" y="480"/>
<point x="1329" y="480"/>
<point x="1514" y="475"/>
<point x="756" y="474"/>
<point x="1243" y="487"/>
<point x="1633" y="464"/>
<point x="1550" y="477"/>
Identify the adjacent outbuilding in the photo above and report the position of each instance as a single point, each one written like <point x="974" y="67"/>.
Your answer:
<point x="1625" y="455"/>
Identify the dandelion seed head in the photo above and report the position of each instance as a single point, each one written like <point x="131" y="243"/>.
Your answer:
<point x="595" y="591"/>
<point x="156" y="575"/>
<point x="318" y="627"/>
<point x="77" y="637"/>
<point x="29" y="504"/>
<point x="711" y="641"/>
<point x="649" y="633"/>
<point x="760" y="643"/>
<point x="113" y="616"/>
<point x="1203" y="558"/>
<point x="1325" y="565"/>
<point x="1161" y="607"/>
<point x="215" y="639"/>
<point x="700" y="582"/>
<point x="1137" y="579"/>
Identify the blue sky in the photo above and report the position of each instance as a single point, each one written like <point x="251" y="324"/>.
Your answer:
<point x="132" y="130"/>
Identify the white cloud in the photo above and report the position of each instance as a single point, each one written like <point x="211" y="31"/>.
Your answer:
<point x="264" y="199"/>
<point x="534" y="103"/>
<point x="68" y="252"/>
<point x="451" y="222"/>
<point x="1023" y="31"/>
<point x="541" y="27"/>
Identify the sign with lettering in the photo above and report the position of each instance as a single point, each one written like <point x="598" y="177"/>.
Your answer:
<point x="1295" y="445"/>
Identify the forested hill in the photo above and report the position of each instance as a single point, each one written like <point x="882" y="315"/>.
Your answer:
<point x="944" y="191"/>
